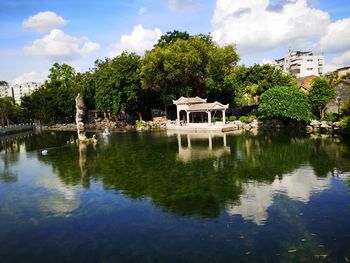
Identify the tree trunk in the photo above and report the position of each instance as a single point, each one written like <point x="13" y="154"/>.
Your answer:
<point x="139" y="115"/>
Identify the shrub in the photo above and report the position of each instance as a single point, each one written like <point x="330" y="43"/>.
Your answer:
<point x="345" y="107"/>
<point x="344" y="123"/>
<point x="243" y="119"/>
<point x="140" y="124"/>
<point x="330" y="117"/>
<point x="284" y="103"/>
<point x="232" y="118"/>
<point x="251" y="118"/>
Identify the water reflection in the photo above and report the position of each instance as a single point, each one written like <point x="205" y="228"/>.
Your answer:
<point x="146" y="195"/>
<point x="258" y="197"/>
<point x="194" y="152"/>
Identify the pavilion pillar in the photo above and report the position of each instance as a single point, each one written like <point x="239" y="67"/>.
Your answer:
<point x="189" y="141"/>
<point x="177" y="116"/>
<point x="209" y="117"/>
<point x="223" y="117"/>
<point x="187" y="117"/>
<point x="179" y="141"/>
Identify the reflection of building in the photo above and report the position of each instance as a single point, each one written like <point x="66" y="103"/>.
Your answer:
<point x="301" y="63"/>
<point x="192" y="152"/>
<point x="258" y="197"/>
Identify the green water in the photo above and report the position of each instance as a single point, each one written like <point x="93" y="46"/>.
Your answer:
<point x="165" y="197"/>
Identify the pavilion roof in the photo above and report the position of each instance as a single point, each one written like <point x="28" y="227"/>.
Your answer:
<point x="189" y="100"/>
<point x="208" y="106"/>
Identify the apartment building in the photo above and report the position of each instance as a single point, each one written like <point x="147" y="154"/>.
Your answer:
<point x="26" y="88"/>
<point x="5" y="90"/>
<point x="301" y="63"/>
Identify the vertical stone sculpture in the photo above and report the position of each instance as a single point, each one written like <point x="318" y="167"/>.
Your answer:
<point x="79" y="105"/>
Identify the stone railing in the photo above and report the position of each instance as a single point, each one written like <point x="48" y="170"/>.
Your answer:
<point x="16" y="128"/>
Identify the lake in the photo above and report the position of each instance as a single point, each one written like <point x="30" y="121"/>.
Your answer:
<point x="168" y="197"/>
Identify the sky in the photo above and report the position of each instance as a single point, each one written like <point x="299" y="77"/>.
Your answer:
<point x="34" y="34"/>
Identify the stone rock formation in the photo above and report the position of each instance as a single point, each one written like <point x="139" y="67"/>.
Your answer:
<point x="79" y="105"/>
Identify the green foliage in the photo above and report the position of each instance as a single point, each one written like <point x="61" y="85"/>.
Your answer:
<point x="8" y="111"/>
<point x="284" y="103"/>
<point x="344" y="124"/>
<point x="249" y="83"/>
<point x="191" y="67"/>
<point x="330" y="117"/>
<point x="321" y="93"/>
<point x="232" y="118"/>
<point x="140" y="124"/>
<point x="171" y="37"/>
<point x="345" y="107"/>
<point x="55" y="101"/>
<point x="243" y="119"/>
<point x="117" y="82"/>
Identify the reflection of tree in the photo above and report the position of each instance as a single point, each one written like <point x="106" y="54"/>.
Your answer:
<point x="9" y="155"/>
<point x="142" y="166"/>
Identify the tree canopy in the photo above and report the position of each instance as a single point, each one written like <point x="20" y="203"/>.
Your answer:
<point x="189" y="67"/>
<point x="284" y="103"/>
<point x="321" y="93"/>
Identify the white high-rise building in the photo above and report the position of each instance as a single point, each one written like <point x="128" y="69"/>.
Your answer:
<point x="26" y="88"/>
<point x="5" y="90"/>
<point x="301" y="64"/>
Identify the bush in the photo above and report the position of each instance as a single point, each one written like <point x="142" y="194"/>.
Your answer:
<point x="243" y="119"/>
<point x="140" y="124"/>
<point x="284" y="103"/>
<point x="345" y="107"/>
<point x="232" y="118"/>
<point x="330" y="117"/>
<point x="344" y="123"/>
<point x="251" y="118"/>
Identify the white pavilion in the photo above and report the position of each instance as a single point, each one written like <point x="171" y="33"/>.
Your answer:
<point x="197" y="112"/>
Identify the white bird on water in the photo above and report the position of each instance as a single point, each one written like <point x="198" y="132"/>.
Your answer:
<point x="44" y="152"/>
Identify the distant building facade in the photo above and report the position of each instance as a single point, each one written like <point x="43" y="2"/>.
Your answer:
<point x="26" y="88"/>
<point x="342" y="90"/>
<point x="5" y="90"/>
<point x="301" y="64"/>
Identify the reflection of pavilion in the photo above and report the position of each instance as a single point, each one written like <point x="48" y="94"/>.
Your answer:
<point x="189" y="152"/>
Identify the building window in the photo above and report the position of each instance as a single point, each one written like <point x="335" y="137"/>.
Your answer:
<point x="309" y="69"/>
<point x="309" y="60"/>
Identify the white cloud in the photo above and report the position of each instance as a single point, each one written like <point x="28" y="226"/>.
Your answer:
<point x="337" y="38"/>
<point x="266" y="61"/>
<point x="142" y="10"/>
<point x="343" y="59"/>
<point x="44" y="22"/>
<point x="61" y="47"/>
<point x="31" y="77"/>
<point x="258" y="25"/>
<point x="138" y="41"/>
<point x="178" y="5"/>
<point x="257" y="198"/>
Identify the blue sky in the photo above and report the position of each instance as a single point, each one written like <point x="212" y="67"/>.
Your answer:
<point x="36" y="33"/>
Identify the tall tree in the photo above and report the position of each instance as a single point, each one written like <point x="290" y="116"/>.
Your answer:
<point x="171" y="37"/>
<point x="186" y="68"/>
<point x="250" y="82"/>
<point x="321" y="93"/>
<point x="117" y="83"/>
